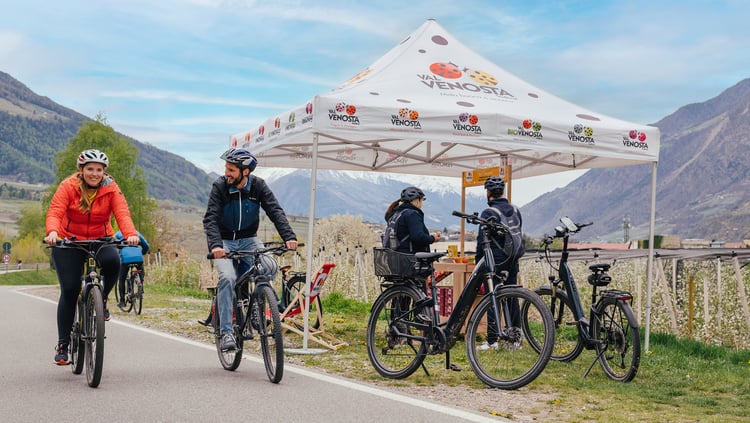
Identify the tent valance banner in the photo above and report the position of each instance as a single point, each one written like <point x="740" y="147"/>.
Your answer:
<point x="433" y="106"/>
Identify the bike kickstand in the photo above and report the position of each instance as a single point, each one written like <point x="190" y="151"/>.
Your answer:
<point x="449" y="365"/>
<point x="586" y="373"/>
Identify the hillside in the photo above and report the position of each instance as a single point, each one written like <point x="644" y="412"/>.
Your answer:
<point x="33" y="128"/>
<point x="702" y="180"/>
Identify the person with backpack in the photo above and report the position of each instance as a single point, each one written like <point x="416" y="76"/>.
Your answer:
<point x="405" y="230"/>
<point x="130" y="256"/>
<point x="506" y="248"/>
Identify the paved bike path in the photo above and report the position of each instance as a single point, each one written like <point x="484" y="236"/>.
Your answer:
<point x="156" y="377"/>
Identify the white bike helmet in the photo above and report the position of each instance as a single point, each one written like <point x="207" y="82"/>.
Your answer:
<point x="93" y="156"/>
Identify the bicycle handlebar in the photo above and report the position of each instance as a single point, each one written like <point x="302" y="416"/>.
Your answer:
<point x="74" y="243"/>
<point x="277" y="248"/>
<point x="474" y="219"/>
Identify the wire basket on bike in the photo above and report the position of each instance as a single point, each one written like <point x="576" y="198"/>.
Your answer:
<point x="393" y="264"/>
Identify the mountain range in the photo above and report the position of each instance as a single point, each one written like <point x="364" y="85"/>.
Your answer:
<point x="702" y="176"/>
<point x="702" y="180"/>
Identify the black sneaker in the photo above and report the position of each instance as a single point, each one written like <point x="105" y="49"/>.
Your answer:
<point x="106" y="312"/>
<point x="61" y="355"/>
<point x="227" y="342"/>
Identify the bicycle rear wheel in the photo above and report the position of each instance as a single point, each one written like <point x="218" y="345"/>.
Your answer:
<point x="619" y="339"/>
<point x="77" y="344"/>
<point x="265" y="312"/>
<point x="94" y="336"/>
<point x="137" y="293"/>
<point x="395" y="347"/>
<point x="229" y="359"/>
<point x="568" y="343"/>
<point x="296" y="285"/>
<point x="127" y="297"/>
<point x="508" y="364"/>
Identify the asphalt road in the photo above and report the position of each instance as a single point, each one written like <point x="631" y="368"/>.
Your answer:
<point x="151" y="376"/>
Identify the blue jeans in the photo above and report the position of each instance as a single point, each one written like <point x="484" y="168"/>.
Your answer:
<point x="228" y="278"/>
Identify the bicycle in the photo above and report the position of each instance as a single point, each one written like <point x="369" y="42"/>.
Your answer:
<point x="611" y="329"/>
<point x="133" y="298"/>
<point x="292" y="289"/>
<point x="255" y="308"/>
<point x="87" y="334"/>
<point x="404" y="324"/>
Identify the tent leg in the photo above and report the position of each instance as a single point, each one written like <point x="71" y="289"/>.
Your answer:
<point x="650" y="265"/>
<point x="310" y="233"/>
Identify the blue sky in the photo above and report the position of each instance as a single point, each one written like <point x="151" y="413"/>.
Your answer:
<point x="185" y="75"/>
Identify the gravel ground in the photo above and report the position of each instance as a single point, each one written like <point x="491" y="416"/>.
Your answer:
<point x="521" y="405"/>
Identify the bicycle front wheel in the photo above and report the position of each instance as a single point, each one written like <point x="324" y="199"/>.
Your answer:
<point x="395" y="347"/>
<point x="269" y="328"/>
<point x="77" y="343"/>
<point x="507" y="363"/>
<point x="568" y="343"/>
<point x="618" y="339"/>
<point x="94" y="336"/>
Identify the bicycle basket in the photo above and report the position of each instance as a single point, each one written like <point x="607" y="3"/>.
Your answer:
<point x="390" y="263"/>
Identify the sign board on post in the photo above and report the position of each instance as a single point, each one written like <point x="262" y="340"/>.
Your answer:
<point x="6" y="247"/>
<point x="6" y="258"/>
<point x="477" y="177"/>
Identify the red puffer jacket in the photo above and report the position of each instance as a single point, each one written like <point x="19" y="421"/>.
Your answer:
<point x="67" y="220"/>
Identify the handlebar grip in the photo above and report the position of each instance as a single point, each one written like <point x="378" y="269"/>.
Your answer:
<point x="210" y="256"/>
<point x="300" y="244"/>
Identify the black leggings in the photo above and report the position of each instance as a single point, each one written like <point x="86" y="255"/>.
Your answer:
<point x="69" y="266"/>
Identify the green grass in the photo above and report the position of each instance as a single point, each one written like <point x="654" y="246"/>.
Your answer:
<point x="678" y="379"/>
<point x="29" y="277"/>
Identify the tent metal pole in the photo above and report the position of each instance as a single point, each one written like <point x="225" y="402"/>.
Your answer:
<point x="650" y="265"/>
<point x="310" y="232"/>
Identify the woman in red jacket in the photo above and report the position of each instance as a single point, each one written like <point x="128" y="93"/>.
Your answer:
<point x="82" y="208"/>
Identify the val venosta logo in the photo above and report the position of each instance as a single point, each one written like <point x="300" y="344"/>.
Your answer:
<point x="467" y="124"/>
<point x="581" y="134"/>
<point x="527" y="128"/>
<point x="406" y="118"/>
<point x="635" y="139"/>
<point x="446" y="76"/>
<point x="343" y="112"/>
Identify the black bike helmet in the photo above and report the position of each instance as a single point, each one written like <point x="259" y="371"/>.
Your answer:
<point x="240" y="158"/>
<point x="494" y="183"/>
<point x="410" y="194"/>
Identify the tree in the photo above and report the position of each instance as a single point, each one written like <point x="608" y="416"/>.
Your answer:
<point x="31" y="222"/>
<point x="122" y="167"/>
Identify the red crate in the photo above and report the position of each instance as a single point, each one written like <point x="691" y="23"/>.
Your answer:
<point x="445" y="296"/>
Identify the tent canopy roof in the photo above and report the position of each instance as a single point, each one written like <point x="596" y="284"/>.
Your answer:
<point x="432" y="106"/>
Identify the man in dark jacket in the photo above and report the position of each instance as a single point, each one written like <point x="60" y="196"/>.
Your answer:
<point x="497" y="204"/>
<point x="231" y="224"/>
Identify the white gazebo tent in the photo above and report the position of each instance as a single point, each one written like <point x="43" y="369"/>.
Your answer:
<point x="432" y="106"/>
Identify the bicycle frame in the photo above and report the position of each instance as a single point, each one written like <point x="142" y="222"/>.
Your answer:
<point x="565" y="275"/>
<point x="482" y="272"/>
<point x="569" y="284"/>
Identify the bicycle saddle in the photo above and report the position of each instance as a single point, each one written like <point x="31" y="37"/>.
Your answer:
<point x="429" y="256"/>
<point x="599" y="267"/>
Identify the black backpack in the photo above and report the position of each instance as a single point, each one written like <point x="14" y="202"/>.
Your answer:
<point x="512" y="241"/>
<point x="389" y="235"/>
